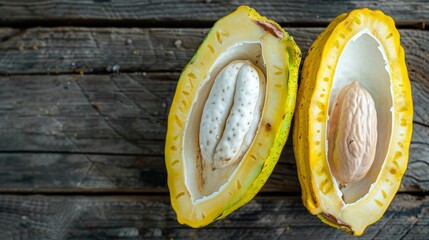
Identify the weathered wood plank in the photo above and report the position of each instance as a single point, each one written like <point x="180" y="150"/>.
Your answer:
<point x="80" y="173"/>
<point x="418" y="167"/>
<point x="202" y="12"/>
<point x="89" y="50"/>
<point x="86" y="173"/>
<point x="70" y="49"/>
<point x="124" y="114"/>
<point x="119" y="217"/>
<point x="117" y="113"/>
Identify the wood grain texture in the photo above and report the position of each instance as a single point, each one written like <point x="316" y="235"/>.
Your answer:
<point x="191" y="12"/>
<point x="418" y="69"/>
<point x="82" y="173"/>
<point x="117" y="122"/>
<point x="93" y="50"/>
<point x="89" y="173"/>
<point x="71" y="49"/>
<point x="88" y="50"/>
<point x="118" y="217"/>
<point x="83" y="113"/>
<point x="97" y="173"/>
<point x="124" y="113"/>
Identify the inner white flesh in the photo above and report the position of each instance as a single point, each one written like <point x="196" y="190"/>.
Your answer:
<point x="203" y="178"/>
<point x="364" y="60"/>
<point x="230" y="113"/>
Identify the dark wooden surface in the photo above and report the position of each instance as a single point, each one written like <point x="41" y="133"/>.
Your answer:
<point x="85" y="91"/>
<point x="197" y="12"/>
<point x="142" y="217"/>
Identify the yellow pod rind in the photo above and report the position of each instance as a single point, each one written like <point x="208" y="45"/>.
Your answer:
<point x="318" y="187"/>
<point x="282" y="59"/>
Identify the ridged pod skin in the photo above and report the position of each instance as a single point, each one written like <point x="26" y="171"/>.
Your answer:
<point x="281" y="58"/>
<point x="320" y="192"/>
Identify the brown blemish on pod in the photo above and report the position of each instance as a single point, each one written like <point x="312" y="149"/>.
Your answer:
<point x="335" y="221"/>
<point x="271" y="28"/>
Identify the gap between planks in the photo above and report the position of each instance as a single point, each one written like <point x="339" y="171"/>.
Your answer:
<point x="152" y="193"/>
<point x="200" y="24"/>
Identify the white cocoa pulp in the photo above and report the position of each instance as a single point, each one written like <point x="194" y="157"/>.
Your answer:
<point x="231" y="113"/>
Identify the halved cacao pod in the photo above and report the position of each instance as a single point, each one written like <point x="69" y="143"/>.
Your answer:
<point x="361" y="46"/>
<point x="242" y="51"/>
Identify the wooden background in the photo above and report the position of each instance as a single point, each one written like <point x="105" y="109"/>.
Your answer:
<point x="85" y="89"/>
